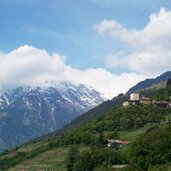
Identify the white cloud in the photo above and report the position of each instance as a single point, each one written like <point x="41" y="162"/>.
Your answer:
<point x="149" y="48"/>
<point x="31" y="66"/>
<point x="148" y="53"/>
<point x="117" y="60"/>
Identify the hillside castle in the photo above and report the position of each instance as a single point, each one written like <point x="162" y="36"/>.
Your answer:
<point x="136" y="98"/>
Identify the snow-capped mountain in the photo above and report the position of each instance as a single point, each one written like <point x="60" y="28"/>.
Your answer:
<point x="28" y="112"/>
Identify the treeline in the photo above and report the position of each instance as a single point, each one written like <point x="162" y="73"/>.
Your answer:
<point x="90" y="158"/>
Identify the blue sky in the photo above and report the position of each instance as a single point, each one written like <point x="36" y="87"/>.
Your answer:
<point x="66" y="27"/>
<point x="69" y="28"/>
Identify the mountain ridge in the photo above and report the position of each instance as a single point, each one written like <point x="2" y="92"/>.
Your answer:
<point x="148" y="82"/>
<point x="116" y="101"/>
<point x="105" y="106"/>
<point x="31" y="112"/>
<point x="120" y="122"/>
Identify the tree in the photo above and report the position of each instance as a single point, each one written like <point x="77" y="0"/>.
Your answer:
<point x="86" y="137"/>
<point x="138" y="122"/>
<point x="72" y="157"/>
<point x="151" y="149"/>
<point x="84" y="162"/>
<point x="169" y="123"/>
<point x="101" y="138"/>
<point x="125" y="123"/>
<point x="112" y="135"/>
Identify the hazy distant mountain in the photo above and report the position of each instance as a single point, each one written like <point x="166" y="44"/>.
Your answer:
<point x="150" y="82"/>
<point x="26" y="113"/>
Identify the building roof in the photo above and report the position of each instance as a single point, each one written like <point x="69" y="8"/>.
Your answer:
<point x="118" y="141"/>
<point x="145" y="98"/>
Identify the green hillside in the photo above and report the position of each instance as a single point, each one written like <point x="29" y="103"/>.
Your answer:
<point x="52" y="152"/>
<point x="106" y="106"/>
<point x="83" y="147"/>
<point x="51" y="160"/>
<point x="94" y="113"/>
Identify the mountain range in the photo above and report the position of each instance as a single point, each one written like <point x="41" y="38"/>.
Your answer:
<point x="29" y="112"/>
<point x="87" y="134"/>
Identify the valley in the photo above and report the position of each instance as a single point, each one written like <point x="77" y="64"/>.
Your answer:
<point x="80" y="147"/>
<point x="85" y="85"/>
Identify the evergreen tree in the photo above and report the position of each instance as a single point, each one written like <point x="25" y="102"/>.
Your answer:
<point x="72" y="157"/>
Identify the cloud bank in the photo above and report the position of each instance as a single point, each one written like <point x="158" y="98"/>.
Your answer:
<point x="147" y="53"/>
<point x="29" y="66"/>
<point x="148" y="50"/>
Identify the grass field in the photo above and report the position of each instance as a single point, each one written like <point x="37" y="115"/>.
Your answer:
<point x="24" y="148"/>
<point x="132" y="135"/>
<point x="48" y="161"/>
